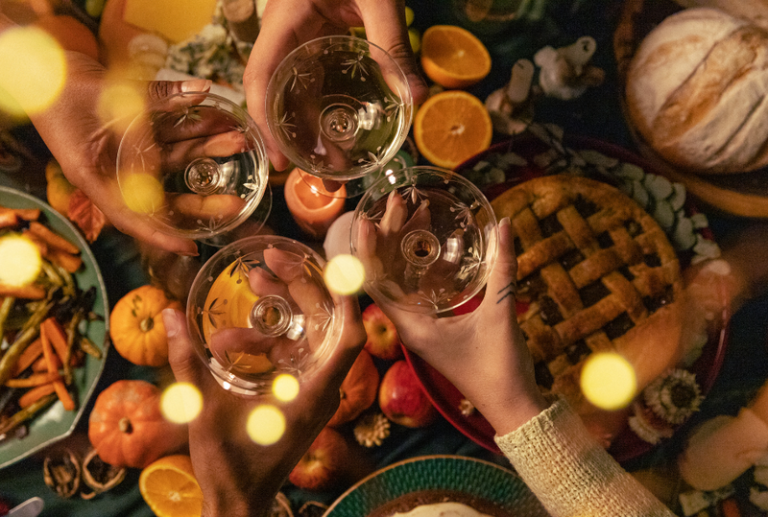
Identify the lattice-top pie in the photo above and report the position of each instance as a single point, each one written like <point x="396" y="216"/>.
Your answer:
<point x="598" y="274"/>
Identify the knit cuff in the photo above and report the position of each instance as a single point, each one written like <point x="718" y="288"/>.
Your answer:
<point x="570" y="472"/>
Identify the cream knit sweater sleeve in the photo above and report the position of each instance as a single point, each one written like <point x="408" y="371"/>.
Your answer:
<point x="570" y="473"/>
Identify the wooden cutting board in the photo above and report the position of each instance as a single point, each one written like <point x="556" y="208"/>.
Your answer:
<point x="744" y="195"/>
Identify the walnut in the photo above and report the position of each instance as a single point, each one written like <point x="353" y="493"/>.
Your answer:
<point x="100" y="476"/>
<point x="61" y="472"/>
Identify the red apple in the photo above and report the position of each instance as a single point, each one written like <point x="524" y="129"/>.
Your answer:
<point x="402" y="399"/>
<point x="383" y="341"/>
<point x="321" y="466"/>
<point x="330" y="462"/>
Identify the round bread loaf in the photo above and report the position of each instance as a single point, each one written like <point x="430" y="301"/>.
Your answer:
<point x="696" y="92"/>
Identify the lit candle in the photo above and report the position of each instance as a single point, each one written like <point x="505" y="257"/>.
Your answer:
<point x="311" y="205"/>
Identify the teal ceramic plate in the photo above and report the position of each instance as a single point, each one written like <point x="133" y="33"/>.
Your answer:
<point x="471" y="476"/>
<point x="56" y="423"/>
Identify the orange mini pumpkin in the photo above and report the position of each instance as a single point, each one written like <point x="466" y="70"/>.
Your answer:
<point x="136" y="326"/>
<point x="358" y="391"/>
<point x="127" y="428"/>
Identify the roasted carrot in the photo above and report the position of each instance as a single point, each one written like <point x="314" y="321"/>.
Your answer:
<point x="27" y="292"/>
<point x="28" y="356"/>
<point x="36" y="379"/>
<point x="40" y="366"/>
<point x="56" y="336"/>
<point x="27" y="214"/>
<point x="8" y="220"/>
<point x="69" y="262"/>
<point x="58" y="385"/>
<point x="58" y="339"/>
<point x="35" y="394"/>
<point x="52" y="238"/>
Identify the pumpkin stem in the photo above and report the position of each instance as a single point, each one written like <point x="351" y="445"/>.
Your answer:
<point x="147" y="324"/>
<point x="125" y="425"/>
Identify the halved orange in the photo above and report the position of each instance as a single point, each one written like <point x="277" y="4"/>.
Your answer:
<point x="453" y="57"/>
<point x="451" y="127"/>
<point x="170" y="488"/>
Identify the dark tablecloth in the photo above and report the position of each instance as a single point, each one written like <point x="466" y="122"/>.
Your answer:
<point x="597" y="113"/>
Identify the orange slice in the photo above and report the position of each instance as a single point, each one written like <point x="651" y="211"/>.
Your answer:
<point x="170" y="489"/>
<point x="453" y="57"/>
<point x="451" y="127"/>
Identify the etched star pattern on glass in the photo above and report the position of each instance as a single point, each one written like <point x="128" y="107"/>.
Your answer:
<point x="258" y="308"/>
<point x="339" y="108"/>
<point x="194" y="166"/>
<point x="434" y="238"/>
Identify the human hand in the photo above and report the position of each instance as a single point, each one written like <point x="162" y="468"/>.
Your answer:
<point x="291" y="23"/>
<point x="379" y="248"/>
<point x="237" y="476"/>
<point x="482" y="353"/>
<point x="85" y="145"/>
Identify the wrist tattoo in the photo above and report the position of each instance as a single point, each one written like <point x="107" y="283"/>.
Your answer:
<point x="509" y="290"/>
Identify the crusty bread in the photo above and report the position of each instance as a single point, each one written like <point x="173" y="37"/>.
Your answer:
<point x="754" y="10"/>
<point x="696" y="92"/>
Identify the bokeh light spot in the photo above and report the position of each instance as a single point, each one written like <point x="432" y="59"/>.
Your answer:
<point x="34" y="70"/>
<point x="120" y="101"/>
<point x="266" y="425"/>
<point x="608" y="381"/>
<point x="344" y="274"/>
<point x="143" y="193"/>
<point x="20" y="261"/>
<point x="181" y="403"/>
<point x="285" y="387"/>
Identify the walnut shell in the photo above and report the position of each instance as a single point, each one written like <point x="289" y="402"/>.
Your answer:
<point x="100" y="476"/>
<point x="61" y="472"/>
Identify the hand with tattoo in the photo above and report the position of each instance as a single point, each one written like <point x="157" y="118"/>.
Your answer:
<point x="482" y="353"/>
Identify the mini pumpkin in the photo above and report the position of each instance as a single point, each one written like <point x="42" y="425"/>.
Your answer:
<point x="136" y="326"/>
<point x="358" y="391"/>
<point x="127" y="428"/>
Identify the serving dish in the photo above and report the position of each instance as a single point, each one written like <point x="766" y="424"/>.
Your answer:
<point x="529" y="155"/>
<point x="470" y="476"/>
<point x="55" y="423"/>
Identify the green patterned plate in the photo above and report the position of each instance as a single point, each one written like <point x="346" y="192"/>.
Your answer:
<point x="56" y="423"/>
<point x="458" y="473"/>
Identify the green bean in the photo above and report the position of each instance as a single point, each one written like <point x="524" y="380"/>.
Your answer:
<point x="25" y="414"/>
<point x="26" y="336"/>
<point x="87" y="346"/>
<point x="69" y="282"/>
<point x="52" y="274"/>
<point x="71" y="332"/>
<point x="5" y="310"/>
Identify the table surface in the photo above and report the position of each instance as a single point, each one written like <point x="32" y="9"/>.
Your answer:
<point x="597" y="113"/>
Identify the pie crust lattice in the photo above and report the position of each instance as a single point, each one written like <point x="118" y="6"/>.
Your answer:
<point x="594" y="268"/>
